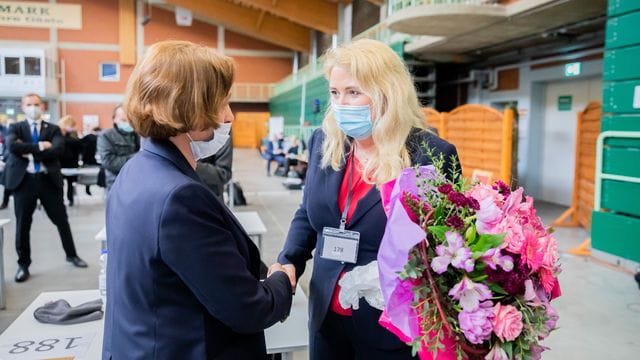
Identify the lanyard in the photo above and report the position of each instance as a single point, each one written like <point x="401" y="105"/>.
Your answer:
<point x="343" y="219"/>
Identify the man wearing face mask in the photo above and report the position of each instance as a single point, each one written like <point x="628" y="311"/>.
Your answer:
<point x="33" y="173"/>
<point x="215" y="159"/>
<point x="117" y="145"/>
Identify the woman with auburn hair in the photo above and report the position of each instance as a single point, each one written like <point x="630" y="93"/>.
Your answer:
<point x="182" y="276"/>
<point x="371" y="132"/>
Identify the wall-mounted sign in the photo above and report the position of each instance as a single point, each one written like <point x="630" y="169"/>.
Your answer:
<point x="564" y="102"/>
<point x="40" y="14"/>
<point x="572" y="69"/>
<point x="109" y="71"/>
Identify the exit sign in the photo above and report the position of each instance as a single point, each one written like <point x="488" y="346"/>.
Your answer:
<point x="572" y="69"/>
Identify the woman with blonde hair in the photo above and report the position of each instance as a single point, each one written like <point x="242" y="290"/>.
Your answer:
<point x="373" y="129"/>
<point x="182" y="276"/>
<point x="71" y="153"/>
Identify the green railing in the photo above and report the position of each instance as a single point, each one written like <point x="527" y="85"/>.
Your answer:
<point x="397" y="5"/>
<point x="311" y="71"/>
<point x="302" y="132"/>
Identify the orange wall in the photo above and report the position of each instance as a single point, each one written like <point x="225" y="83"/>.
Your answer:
<point x="82" y="72"/>
<point x="99" y="22"/>
<point x="163" y="27"/>
<point x="103" y="110"/>
<point x="261" y="70"/>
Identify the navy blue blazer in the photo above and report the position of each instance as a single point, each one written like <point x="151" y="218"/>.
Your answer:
<point x="182" y="275"/>
<point x="20" y="143"/>
<point x="319" y="208"/>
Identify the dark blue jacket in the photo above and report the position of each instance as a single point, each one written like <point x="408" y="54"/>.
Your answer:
<point x="319" y="208"/>
<point x="182" y="274"/>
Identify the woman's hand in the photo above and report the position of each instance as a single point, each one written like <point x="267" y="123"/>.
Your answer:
<point x="288" y="269"/>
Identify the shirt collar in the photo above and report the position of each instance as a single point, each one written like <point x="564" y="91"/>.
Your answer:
<point x="31" y="121"/>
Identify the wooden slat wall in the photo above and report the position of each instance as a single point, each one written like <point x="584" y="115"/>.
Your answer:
<point x="435" y="120"/>
<point x="249" y="128"/>
<point x="589" y="128"/>
<point x="482" y="136"/>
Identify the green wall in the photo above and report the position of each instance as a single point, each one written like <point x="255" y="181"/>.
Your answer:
<point x="287" y="104"/>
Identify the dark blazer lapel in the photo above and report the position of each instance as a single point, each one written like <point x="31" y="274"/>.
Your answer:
<point x="332" y="186"/>
<point x="44" y="132"/>
<point x="371" y="199"/>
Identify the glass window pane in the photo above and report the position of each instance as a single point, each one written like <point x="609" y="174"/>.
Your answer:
<point x="32" y="66"/>
<point x="12" y="65"/>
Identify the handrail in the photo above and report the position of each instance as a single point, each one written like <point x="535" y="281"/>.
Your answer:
<point x="397" y="5"/>
<point x="599" y="160"/>
<point x="311" y="71"/>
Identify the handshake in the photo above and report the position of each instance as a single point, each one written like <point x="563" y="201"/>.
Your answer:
<point x="288" y="269"/>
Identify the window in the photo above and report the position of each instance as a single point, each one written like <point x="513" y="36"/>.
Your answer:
<point x="11" y="65"/>
<point x="109" y="71"/>
<point x="32" y="66"/>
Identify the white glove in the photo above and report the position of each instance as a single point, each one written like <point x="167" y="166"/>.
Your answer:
<point x="362" y="281"/>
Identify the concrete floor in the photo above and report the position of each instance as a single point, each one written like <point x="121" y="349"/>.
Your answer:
<point x="599" y="309"/>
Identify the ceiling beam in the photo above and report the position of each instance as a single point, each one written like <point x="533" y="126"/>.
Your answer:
<point x="247" y="21"/>
<point x="315" y="14"/>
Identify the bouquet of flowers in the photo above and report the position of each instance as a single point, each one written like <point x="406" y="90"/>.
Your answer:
<point x="466" y="270"/>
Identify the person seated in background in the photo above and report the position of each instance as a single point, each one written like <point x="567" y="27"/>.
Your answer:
<point x="274" y="151"/>
<point x="215" y="170"/>
<point x="89" y="143"/>
<point x="70" y="153"/>
<point x="117" y="145"/>
<point x="291" y="158"/>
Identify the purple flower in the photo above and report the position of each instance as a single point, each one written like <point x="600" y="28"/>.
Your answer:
<point x="536" y="351"/>
<point x="476" y="325"/>
<point x="457" y="198"/>
<point x="552" y="319"/>
<point x="445" y="188"/>
<point x="493" y="258"/>
<point x="502" y="187"/>
<point x="470" y="293"/>
<point x="455" y="222"/>
<point x="512" y="282"/>
<point x="455" y="253"/>
<point x="473" y="203"/>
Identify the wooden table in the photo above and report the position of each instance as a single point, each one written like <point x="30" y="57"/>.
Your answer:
<point x="252" y="224"/>
<point x="30" y="339"/>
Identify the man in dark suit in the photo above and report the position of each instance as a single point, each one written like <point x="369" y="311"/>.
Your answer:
<point x="33" y="172"/>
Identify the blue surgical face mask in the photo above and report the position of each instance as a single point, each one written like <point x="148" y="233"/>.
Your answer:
<point x="354" y="121"/>
<point x="125" y="126"/>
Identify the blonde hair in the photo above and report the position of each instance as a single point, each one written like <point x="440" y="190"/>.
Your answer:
<point x="67" y="121"/>
<point x="383" y="77"/>
<point x="177" y="87"/>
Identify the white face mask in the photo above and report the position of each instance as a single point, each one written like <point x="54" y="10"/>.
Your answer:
<point x="33" y="112"/>
<point x="204" y="149"/>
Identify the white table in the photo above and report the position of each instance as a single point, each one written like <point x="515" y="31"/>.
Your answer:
<point x="86" y="171"/>
<point x="250" y="221"/>
<point x="252" y="224"/>
<point x="285" y="338"/>
<point x="3" y="222"/>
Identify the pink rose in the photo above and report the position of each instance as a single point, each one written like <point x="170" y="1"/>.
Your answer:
<point x="483" y="191"/>
<point x="507" y="323"/>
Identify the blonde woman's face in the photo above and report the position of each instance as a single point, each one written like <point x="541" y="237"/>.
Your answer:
<point x="344" y="89"/>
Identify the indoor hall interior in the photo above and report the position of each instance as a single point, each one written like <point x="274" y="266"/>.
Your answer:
<point x="600" y="304"/>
